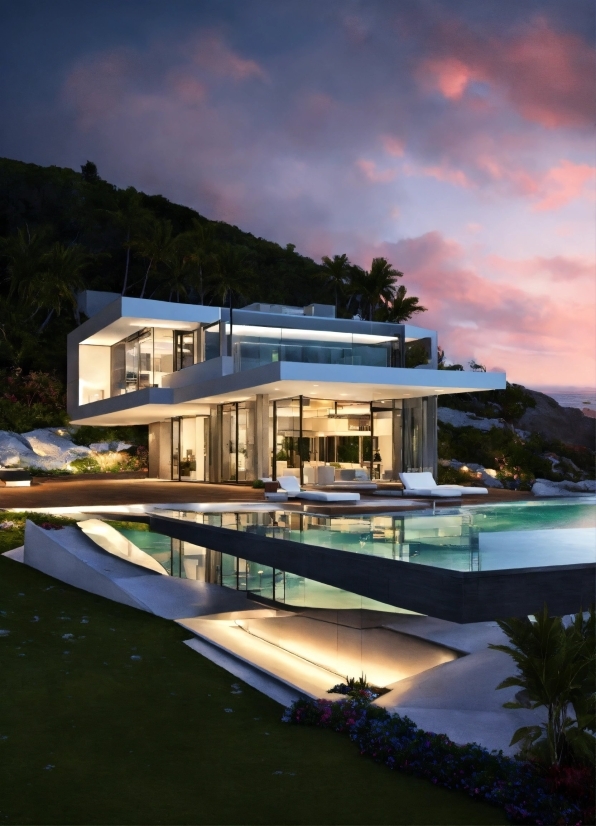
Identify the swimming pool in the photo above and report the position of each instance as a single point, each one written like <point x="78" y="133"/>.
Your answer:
<point x="474" y="538"/>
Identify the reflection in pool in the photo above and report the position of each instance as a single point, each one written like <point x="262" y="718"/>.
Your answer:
<point x="477" y="538"/>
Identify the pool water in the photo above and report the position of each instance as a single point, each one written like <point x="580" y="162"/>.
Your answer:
<point x="155" y="544"/>
<point x="475" y="538"/>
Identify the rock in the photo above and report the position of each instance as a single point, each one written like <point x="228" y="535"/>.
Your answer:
<point x="459" y="418"/>
<point x="490" y="481"/>
<point x="100" y="447"/>
<point x="544" y="487"/>
<point x="12" y="446"/>
<point x="118" y="446"/>
<point x="46" y="449"/>
<point x="568" y="424"/>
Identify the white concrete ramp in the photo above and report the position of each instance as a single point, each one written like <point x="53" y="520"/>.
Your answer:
<point x="71" y="556"/>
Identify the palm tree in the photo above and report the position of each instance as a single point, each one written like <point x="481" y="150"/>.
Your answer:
<point x="178" y="268"/>
<point x="374" y="288"/>
<point x="132" y="218"/>
<point x="155" y="245"/>
<point x="336" y="272"/>
<point x="200" y="243"/>
<point x="59" y="280"/>
<point x="24" y="251"/>
<point x="402" y="308"/>
<point x="232" y="270"/>
<point x="43" y="277"/>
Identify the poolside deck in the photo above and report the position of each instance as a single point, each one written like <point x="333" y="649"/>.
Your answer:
<point x="129" y="489"/>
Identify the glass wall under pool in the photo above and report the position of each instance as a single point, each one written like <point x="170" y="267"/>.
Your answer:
<point x="188" y="561"/>
<point x="482" y="538"/>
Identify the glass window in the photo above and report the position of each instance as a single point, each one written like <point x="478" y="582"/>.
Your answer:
<point x="163" y="354"/>
<point x="212" y="342"/>
<point x="418" y="352"/>
<point x="118" y="369"/>
<point x="185" y="349"/>
<point x="255" y="346"/>
<point x="145" y="359"/>
<point x="288" y="442"/>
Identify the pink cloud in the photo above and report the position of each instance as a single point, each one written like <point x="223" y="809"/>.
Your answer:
<point x="448" y="175"/>
<point x="373" y="174"/>
<point x="214" y="55"/>
<point x="495" y="322"/>
<point x="563" y="184"/>
<point x="561" y="268"/>
<point x="448" y="75"/>
<point x="547" y="75"/>
<point x="393" y="146"/>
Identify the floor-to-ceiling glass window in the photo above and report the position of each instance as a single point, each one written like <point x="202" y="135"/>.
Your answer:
<point x="163" y="354"/>
<point x="185" y="349"/>
<point x="287" y="438"/>
<point x="419" y="434"/>
<point x="238" y="458"/>
<point x="141" y="361"/>
<point x="229" y="442"/>
<point x="194" y="449"/>
<point x="387" y="439"/>
<point x="245" y="462"/>
<point x="309" y="433"/>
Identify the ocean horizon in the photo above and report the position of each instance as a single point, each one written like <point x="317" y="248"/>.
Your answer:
<point x="579" y="397"/>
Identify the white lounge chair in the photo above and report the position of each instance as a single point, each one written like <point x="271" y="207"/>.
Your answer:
<point x="291" y="485"/>
<point x="423" y="484"/>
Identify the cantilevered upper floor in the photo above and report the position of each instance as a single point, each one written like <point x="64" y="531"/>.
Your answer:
<point x="136" y="361"/>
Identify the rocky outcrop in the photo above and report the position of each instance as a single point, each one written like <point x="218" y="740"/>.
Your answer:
<point x="568" y="424"/>
<point x="46" y="449"/>
<point x="461" y="418"/>
<point x="544" y="487"/>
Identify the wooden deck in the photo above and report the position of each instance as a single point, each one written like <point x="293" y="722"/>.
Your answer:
<point x="136" y="489"/>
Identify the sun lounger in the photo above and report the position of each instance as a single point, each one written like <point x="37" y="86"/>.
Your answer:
<point x="423" y="484"/>
<point x="292" y="487"/>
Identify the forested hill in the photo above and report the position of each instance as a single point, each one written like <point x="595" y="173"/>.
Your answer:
<point x="83" y="232"/>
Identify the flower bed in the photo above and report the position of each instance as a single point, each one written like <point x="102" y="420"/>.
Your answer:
<point x="527" y="796"/>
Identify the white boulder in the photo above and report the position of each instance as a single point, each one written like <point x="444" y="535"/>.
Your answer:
<point x="45" y="448"/>
<point x="12" y="447"/>
<point x="544" y="487"/>
<point x="490" y="481"/>
<point x="100" y="447"/>
<point x="459" y="418"/>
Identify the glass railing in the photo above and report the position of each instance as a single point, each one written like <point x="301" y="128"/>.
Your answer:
<point x="251" y="354"/>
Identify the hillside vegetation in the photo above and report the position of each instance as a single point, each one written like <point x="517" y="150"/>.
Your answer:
<point x="63" y="231"/>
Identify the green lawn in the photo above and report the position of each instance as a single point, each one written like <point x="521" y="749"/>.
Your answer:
<point x="108" y="718"/>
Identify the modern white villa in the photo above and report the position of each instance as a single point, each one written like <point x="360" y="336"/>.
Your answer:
<point x="263" y="391"/>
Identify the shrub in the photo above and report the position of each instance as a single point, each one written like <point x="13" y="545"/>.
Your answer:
<point x="86" y="464"/>
<point x="556" y="665"/>
<point x="527" y="796"/>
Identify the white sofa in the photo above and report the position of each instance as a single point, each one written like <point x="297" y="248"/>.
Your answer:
<point x="291" y="485"/>
<point x="423" y="484"/>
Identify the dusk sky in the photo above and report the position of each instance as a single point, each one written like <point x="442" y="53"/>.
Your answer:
<point x="455" y="138"/>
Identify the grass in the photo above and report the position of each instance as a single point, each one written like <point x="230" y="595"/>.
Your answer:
<point x="109" y="719"/>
